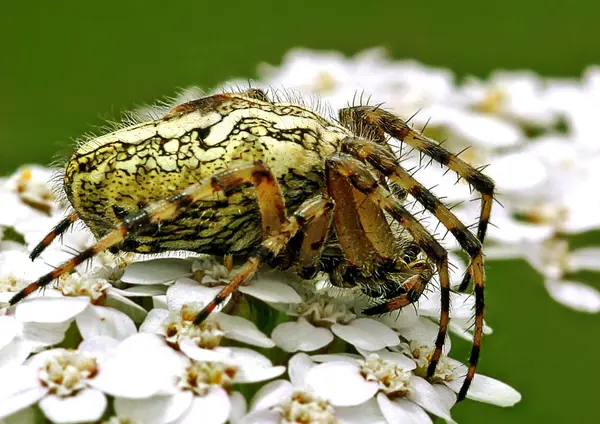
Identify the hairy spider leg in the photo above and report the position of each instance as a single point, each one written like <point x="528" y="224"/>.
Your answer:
<point x="269" y="198"/>
<point x="59" y="229"/>
<point x="379" y="121"/>
<point x="308" y="211"/>
<point x="361" y="178"/>
<point x="386" y="163"/>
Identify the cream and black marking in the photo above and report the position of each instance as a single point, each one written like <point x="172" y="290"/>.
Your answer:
<point x="237" y="174"/>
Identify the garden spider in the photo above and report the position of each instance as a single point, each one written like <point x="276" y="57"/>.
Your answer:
<point x="238" y="174"/>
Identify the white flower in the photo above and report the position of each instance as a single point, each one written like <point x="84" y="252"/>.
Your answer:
<point x="320" y="318"/>
<point x="177" y="326"/>
<point x="386" y="377"/>
<point x="153" y="383"/>
<point x="293" y="401"/>
<point x="21" y="336"/>
<point x="27" y="199"/>
<point x="452" y="373"/>
<point x="516" y="96"/>
<point x="80" y="298"/>
<point x="60" y="380"/>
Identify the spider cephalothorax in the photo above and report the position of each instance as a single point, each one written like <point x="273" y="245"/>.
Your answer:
<point x="276" y="183"/>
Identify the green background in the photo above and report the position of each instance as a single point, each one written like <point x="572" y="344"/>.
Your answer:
<point x="67" y="65"/>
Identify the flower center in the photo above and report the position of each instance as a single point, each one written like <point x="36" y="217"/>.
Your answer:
<point x="305" y="408"/>
<point x="323" y="311"/>
<point x="10" y="283"/>
<point x="393" y="380"/>
<point x="201" y="376"/>
<point x="422" y="356"/>
<point x="77" y="285"/>
<point x="67" y="373"/>
<point x="34" y="193"/>
<point x="207" y="335"/>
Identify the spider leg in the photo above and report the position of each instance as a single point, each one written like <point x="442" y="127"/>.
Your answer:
<point x="311" y="210"/>
<point x="59" y="229"/>
<point x="269" y="198"/>
<point x="380" y="121"/>
<point x="312" y="245"/>
<point x="386" y="163"/>
<point x="412" y="289"/>
<point x="358" y="174"/>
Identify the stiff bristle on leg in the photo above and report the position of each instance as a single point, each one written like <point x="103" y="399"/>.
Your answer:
<point x="60" y="228"/>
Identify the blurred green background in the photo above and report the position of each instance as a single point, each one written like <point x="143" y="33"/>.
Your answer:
<point x="68" y="65"/>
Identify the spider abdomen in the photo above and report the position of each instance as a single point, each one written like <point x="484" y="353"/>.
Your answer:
<point x="120" y="173"/>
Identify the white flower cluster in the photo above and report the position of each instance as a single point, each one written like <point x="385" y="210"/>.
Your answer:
<point x="114" y="341"/>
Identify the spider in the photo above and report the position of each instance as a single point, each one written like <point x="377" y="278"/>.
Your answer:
<point x="276" y="183"/>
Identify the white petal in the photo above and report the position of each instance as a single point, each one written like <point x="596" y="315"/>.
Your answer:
<point x="488" y="390"/>
<point x="585" y="259"/>
<point x="21" y="400"/>
<point x="368" y="412"/>
<point x="145" y="290"/>
<point x="116" y="300"/>
<point x="86" y="406"/>
<point x="253" y="366"/>
<point x="271" y="291"/>
<point x="340" y="383"/>
<point x="48" y="309"/>
<point x="349" y="358"/>
<point x="8" y="330"/>
<point x="154" y="321"/>
<point x="578" y="296"/>
<point x="186" y="291"/>
<point x="157" y="271"/>
<point x="155" y="409"/>
<point x="102" y="321"/>
<point x="20" y="388"/>
<point x="298" y="367"/>
<point x="218" y="354"/>
<point x="98" y="346"/>
<point x="42" y="334"/>
<point x="262" y="417"/>
<point x="141" y="366"/>
<point x="447" y="395"/>
<point x="15" y="353"/>
<point x="423" y="394"/>
<point x="214" y="408"/>
<point x="531" y="173"/>
<point x="425" y="332"/>
<point x="461" y="305"/>
<point x="402" y="411"/>
<point x="271" y="394"/>
<point x="367" y="334"/>
<point x="300" y="335"/>
<point x="160" y="302"/>
<point x="238" y="407"/>
<point x="17" y="379"/>
<point x="238" y="328"/>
